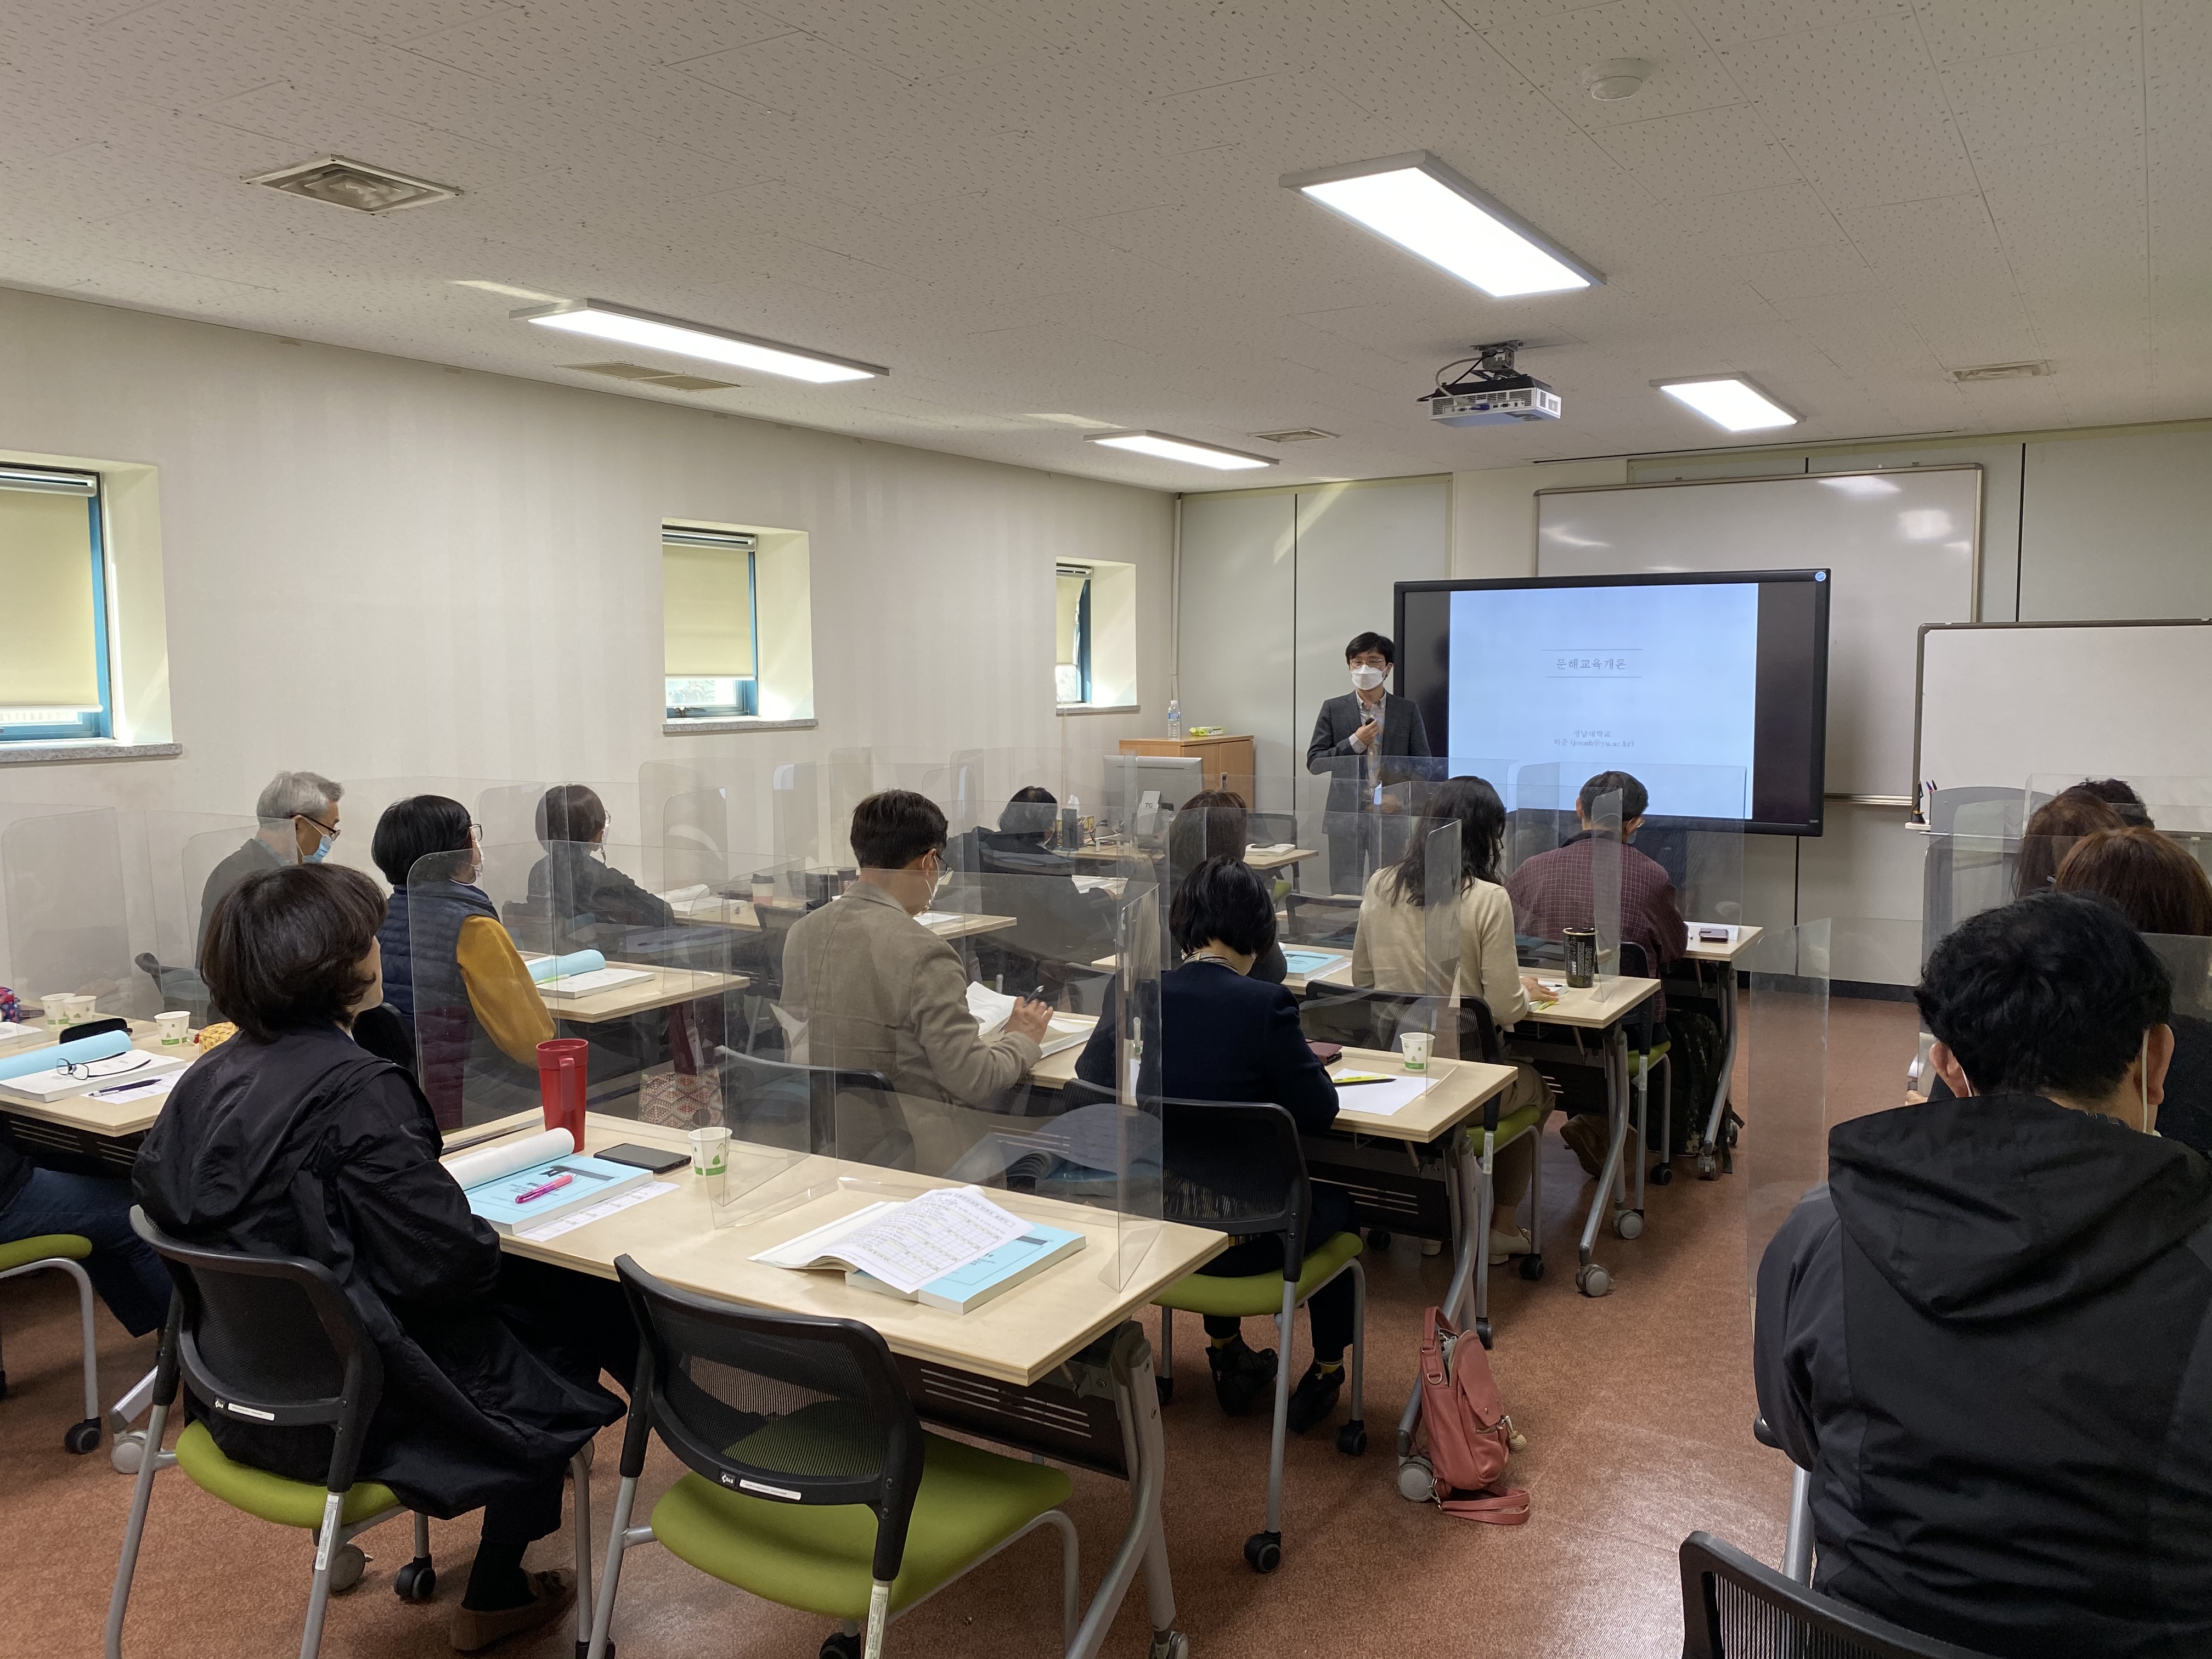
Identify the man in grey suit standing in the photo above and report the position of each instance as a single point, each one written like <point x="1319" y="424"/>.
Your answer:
<point x="1356" y="738"/>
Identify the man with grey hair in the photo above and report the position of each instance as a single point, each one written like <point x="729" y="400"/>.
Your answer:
<point x="298" y="814"/>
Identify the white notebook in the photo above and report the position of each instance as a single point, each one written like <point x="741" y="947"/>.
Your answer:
<point x="573" y="988"/>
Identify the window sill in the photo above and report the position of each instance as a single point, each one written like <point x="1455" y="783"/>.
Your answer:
<point x="734" y="723"/>
<point x="81" y="749"/>
<point x="1100" y="709"/>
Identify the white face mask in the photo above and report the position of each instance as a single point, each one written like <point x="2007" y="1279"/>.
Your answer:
<point x="1366" y="679"/>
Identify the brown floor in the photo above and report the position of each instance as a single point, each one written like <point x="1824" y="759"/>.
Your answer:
<point x="1636" y="1408"/>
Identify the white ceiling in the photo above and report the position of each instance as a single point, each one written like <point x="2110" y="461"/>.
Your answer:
<point x="1031" y="207"/>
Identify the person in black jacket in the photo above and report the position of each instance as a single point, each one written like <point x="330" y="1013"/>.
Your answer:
<point x="1985" y="1336"/>
<point x="592" y="904"/>
<point x="1225" y="1037"/>
<point x="290" y="1141"/>
<point x="1059" y="930"/>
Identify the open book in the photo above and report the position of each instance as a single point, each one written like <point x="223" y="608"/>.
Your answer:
<point x="991" y="1007"/>
<point x="951" y="1248"/>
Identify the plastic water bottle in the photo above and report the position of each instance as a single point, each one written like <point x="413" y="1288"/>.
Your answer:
<point x="1071" y="823"/>
<point x="1175" y="720"/>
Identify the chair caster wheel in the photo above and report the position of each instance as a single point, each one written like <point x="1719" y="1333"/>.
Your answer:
<point x="83" y="1437"/>
<point x="1170" y="1644"/>
<point x="1532" y="1266"/>
<point x="1482" y="1332"/>
<point x="416" y="1581"/>
<point x="1662" y="1174"/>
<point x="1378" y="1241"/>
<point x="1728" y="1159"/>
<point x="1263" y="1551"/>
<point x="1592" y="1279"/>
<point x="838" y="1645"/>
<point x="1629" y="1223"/>
<point x="1166" y="1386"/>
<point x="1417" y="1481"/>
<point x="346" y="1568"/>
<point x="1705" y="1166"/>
<point x="1351" y="1440"/>
<point x="584" y="1650"/>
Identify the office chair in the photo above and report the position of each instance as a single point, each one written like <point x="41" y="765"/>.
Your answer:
<point x="1736" y="1607"/>
<point x="62" y="1252"/>
<point x="1279" y="1201"/>
<point x="813" y="1484"/>
<point x="1650" y="1046"/>
<point x="274" y="1341"/>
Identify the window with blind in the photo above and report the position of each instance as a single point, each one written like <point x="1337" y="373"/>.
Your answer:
<point x="711" y="622"/>
<point x="1071" y="635"/>
<point x="53" y="607"/>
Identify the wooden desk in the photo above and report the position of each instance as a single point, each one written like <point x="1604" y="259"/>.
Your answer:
<point x="665" y="988"/>
<point x="997" y="1372"/>
<point x="1710" y="1145"/>
<point x="108" y="1131"/>
<point x="1741" y="938"/>
<point x="1265" y="863"/>
<point x="740" y="914"/>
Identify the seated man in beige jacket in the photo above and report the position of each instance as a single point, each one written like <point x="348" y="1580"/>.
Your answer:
<point x="878" y="992"/>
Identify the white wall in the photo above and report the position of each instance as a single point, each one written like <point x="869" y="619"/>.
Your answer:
<point x="378" y="567"/>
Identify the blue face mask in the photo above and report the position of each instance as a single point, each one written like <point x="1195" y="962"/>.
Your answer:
<point x="322" y="851"/>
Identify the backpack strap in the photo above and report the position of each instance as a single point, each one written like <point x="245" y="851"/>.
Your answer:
<point x="1508" y="1508"/>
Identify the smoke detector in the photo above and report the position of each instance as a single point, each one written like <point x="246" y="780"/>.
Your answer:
<point x="1617" y="78"/>
<point x="354" y="184"/>
<point x="2000" y="372"/>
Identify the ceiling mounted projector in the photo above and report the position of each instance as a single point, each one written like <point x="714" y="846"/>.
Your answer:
<point x="1488" y="393"/>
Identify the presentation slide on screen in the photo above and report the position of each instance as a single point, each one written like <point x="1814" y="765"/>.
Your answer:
<point x="1660" y="681"/>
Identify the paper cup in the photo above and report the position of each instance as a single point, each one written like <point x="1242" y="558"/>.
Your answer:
<point x="174" y="1028"/>
<point x="710" y="1151"/>
<point x="1413" y="1047"/>
<point x="63" y="1011"/>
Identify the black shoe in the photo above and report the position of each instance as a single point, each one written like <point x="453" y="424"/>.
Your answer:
<point x="1241" y="1375"/>
<point x="1314" y="1398"/>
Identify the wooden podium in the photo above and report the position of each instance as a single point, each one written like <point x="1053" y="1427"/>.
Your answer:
<point x="1223" y="763"/>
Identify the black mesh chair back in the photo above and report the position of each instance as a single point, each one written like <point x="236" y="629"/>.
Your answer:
<point x="271" y="1340"/>
<point x="1369" y="1018"/>
<point x="783" y="1406"/>
<point x="1233" y="1166"/>
<point x="1635" y="963"/>
<point x="1736" y="1607"/>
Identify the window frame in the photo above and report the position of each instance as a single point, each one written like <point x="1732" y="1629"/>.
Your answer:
<point x="1082" y="635"/>
<point x="747" y="705"/>
<point x="91" y="724"/>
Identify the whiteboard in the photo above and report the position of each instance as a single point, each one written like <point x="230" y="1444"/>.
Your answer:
<point x="2004" y="702"/>
<point x="1902" y="548"/>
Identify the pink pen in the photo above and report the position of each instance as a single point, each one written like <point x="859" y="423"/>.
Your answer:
<point x="554" y="1185"/>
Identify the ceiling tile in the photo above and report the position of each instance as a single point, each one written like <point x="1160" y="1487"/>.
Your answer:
<point x="1712" y="152"/>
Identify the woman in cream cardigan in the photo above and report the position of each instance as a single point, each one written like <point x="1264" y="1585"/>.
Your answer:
<point x="1391" y="953"/>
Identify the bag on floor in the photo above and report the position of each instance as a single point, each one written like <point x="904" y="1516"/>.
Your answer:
<point x="1466" y="1434"/>
<point x="1695" y="1052"/>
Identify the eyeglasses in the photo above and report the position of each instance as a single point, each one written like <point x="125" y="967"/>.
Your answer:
<point x="79" y="1071"/>
<point x="329" y="829"/>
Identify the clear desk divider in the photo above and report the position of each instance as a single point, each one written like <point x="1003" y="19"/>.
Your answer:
<point x="1436" y="850"/>
<point x="468" y="996"/>
<point x="2188" y="960"/>
<point x="184" y="852"/>
<point x="2179" y="804"/>
<point x="68" y="925"/>
<point x="366" y="800"/>
<point x="1540" y="809"/>
<point x="1785" y="1134"/>
<point x="1602" y="822"/>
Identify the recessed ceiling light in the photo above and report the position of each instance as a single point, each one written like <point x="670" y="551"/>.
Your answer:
<point x="1729" y="401"/>
<point x="354" y="184"/>
<point x="1169" y="448"/>
<point x="602" y="321"/>
<point x="1428" y="210"/>
<point x="506" y="288"/>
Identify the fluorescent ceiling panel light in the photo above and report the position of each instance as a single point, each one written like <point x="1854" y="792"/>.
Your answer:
<point x="602" y="321"/>
<point x="1729" y="401"/>
<point x="1428" y="210"/>
<point x="1168" y="448"/>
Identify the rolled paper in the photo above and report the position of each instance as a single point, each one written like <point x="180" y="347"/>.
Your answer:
<point x="474" y="1169"/>
<point x="576" y="962"/>
<point x="105" y="1046"/>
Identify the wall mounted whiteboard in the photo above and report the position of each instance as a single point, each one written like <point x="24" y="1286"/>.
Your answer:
<point x="2002" y="702"/>
<point x="1902" y="548"/>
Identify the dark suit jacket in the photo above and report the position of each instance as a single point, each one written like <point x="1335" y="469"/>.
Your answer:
<point x="1331" y="752"/>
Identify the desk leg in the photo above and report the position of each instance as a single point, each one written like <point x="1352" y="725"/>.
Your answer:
<point x="1590" y="1278"/>
<point x="1137" y="1402"/>
<point x="1709" y="1149"/>
<point x="1467" y="1301"/>
<point x="128" y="1444"/>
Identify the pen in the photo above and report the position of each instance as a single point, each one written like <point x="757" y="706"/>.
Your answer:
<point x="124" y="1088"/>
<point x="554" y="1185"/>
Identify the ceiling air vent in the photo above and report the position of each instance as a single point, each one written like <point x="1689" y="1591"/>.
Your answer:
<point x="1999" y="372"/>
<point x="354" y="184"/>
<point x="660" y="377"/>
<point x="1296" y="434"/>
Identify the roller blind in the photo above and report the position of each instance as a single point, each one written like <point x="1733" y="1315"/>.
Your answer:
<point x="708" y="593"/>
<point x="1071" y="609"/>
<point x="49" y="643"/>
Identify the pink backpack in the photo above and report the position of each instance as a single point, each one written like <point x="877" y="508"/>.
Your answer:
<point x="1463" y="1423"/>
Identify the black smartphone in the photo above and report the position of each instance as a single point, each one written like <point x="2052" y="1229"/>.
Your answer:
<point x="657" y="1159"/>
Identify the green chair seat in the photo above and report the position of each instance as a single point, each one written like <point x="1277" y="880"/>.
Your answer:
<point x="1255" y="1294"/>
<point x="271" y="1497"/>
<point x="22" y="1252"/>
<point x="1511" y="1127"/>
<point x="819" y="1558"/>
<point x="1658" y="1051"/>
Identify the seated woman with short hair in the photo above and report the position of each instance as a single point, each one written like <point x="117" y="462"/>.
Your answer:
<point x="290" y="1141"/>
<point x="1391" y="953"/>
<point x="1226" y="1036"/>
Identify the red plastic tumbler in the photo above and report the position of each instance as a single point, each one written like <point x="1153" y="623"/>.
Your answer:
<point x="562" y="1066"/>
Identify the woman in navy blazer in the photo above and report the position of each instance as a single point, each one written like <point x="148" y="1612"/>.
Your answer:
<point x="1224" y="1036"/>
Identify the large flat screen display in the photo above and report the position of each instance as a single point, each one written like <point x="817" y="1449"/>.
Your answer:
<point x="1710" y="687"/>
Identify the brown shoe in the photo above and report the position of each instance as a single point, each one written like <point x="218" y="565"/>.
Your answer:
<point x="551" y="1595"/>
<point x="1586" y="1137"/>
